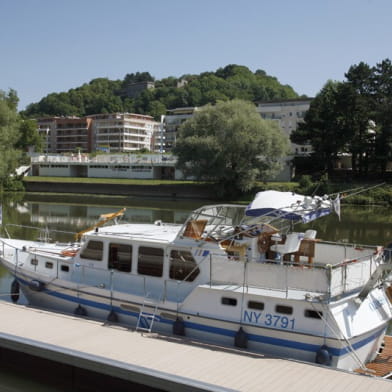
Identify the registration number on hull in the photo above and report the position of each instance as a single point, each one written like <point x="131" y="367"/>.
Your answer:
<point x="269" y="320"/>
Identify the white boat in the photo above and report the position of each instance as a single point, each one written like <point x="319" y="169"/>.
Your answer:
<point x="231" y="274"/>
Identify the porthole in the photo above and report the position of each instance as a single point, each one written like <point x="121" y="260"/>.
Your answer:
<point x="284" y="309"/>
<point x="256" y="305"/>
<point x="229" y="301"/>
<point x="313" y="314"/>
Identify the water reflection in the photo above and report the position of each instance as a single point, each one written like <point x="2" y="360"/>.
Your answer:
<point x="358" y="224"/>
<point x="63" y="220"/>
<point x="366" y="225"/>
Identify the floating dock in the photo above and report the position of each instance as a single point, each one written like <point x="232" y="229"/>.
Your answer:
<point x="382" y="365"/>
<point x="163" y="362"/>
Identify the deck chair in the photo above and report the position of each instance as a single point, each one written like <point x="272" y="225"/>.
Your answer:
<point x="291" y="245"/>
<point x="310" y="234"/>
<point x="194" y="228"/>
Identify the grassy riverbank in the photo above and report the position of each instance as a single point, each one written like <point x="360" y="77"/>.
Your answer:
<point x="118" y="181"/>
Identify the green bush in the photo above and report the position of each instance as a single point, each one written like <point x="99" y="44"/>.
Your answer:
<point x="13" y="184"/>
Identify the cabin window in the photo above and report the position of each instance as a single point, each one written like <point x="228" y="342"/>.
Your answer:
<point x="255" y="305"/>
<point x="49" y="265"/>
<point x="150" y="261"/>
<point x="64" y="268"/>
<point x="229" y="301"/>
<point x="120" y="257"/>
<point x="92" y="251"/>
<point x="183" y="266"/>
<point x="34" y="261"/>
<point x="313" y="314"/>
<point x="284" y="309"/>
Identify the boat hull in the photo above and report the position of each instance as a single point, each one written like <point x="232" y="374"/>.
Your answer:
<point x="268" y="341"/>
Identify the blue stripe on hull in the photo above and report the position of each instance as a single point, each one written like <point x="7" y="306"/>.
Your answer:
<point x="292" y="344"/>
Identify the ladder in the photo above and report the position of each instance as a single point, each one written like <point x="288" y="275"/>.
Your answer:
<point x="146" y="319"/>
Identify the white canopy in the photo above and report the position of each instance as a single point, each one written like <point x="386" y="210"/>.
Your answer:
<point x="289" y="205"/>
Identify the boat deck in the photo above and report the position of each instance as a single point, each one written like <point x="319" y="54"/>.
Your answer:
<point x="165" y="362"/>
<point x="382" y="364"/>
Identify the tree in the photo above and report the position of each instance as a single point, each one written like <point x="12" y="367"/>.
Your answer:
<point x="137" y="77"/>
<point x="358" y="103"/>
<point x="9" y="134"/>
<point x="382" y="92"/>
<point x="353" y="116"/>
<point x="29" y="136"/>
<point x="231" y="145"/>
<point x="322" y="127"/>
<point x="104" y="95"/>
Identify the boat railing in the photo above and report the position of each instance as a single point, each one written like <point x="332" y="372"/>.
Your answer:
<point x="217" y="269"/>
<point x="330" y="279"/>
<point x="52" y="265"/>
<point x="155" y="290"/>
<point x="9" y="252"/>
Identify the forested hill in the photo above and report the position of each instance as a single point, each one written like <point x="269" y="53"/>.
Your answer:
<point x="107" y="96"/>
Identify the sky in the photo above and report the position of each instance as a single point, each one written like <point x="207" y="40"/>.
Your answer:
<point x="51" y="46"/>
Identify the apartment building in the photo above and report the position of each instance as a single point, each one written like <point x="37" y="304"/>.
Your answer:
<point x="172" y="122"/>
<point x="47" y="131"/>
<point x="123" y="132"/>
<point x="288" y="114"/>
<point x="113" y="132"/>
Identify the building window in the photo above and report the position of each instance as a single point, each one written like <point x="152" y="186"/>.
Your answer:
<point x="183" y="266"/>
<point x="120" y="257"/>
<point x="150" y="261"/>
<point x="92" y="251"/>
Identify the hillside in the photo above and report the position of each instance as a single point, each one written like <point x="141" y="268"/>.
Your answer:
<point x="102" y="95"/>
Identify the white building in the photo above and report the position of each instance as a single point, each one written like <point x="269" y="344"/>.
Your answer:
<point x="172" y="122"/>
<point x="123" y="132"/>
<point x="133" y="166"/>
<point x="288" y="114"/>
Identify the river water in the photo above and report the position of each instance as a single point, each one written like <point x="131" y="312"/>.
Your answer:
<point x="62" y="217"/>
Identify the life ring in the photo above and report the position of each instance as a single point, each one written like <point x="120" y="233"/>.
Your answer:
<point x="263" y="242"/>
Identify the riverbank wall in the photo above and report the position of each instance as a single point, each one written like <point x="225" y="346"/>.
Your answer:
<point x="170" y="191"/>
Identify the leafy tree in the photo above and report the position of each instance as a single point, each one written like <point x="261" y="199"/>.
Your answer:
<point x="29" y="136"/>
<point x="382" y="94"/>
<point x="353" y="116"/>
<point x="231" y="145"/>
<point x="358" y="103"/>
<point x="103" y="95"/>
<point x="9" y="134"/>
<point x="137" y="77"/>
<point x="321" y="126"/>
